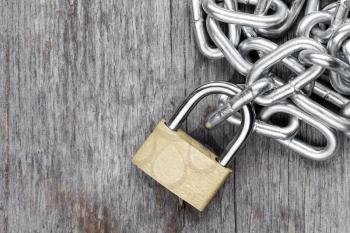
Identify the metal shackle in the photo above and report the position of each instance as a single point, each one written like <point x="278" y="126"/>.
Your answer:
<point x="266" y="129"/>
<point x="234" y="104"/>
<point x="306" y="150"/>
<point x="246" y="19"/>
<point x="247" y="113"/>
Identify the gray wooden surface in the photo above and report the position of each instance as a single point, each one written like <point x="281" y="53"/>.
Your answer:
<point x="83" y="82"/>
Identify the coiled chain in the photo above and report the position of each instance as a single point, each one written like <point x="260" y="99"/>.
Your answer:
<point x="318" y="56"/>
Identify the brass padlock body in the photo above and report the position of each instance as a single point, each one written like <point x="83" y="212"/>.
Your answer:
<point x="182" y="165"/>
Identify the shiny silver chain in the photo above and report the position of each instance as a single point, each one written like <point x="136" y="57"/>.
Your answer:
<point x="318" y="55"/>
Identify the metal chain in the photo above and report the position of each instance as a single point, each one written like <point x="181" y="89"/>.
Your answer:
<point x="317" y="53"/>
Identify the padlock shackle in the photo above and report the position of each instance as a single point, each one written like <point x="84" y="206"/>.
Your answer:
<point x="246" y="128"/>
<point x="211" y="88"/>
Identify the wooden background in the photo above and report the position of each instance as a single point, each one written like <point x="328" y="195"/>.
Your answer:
<point x="84" y="82"/>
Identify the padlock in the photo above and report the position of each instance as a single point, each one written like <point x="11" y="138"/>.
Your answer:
<point x="180" y="163"/>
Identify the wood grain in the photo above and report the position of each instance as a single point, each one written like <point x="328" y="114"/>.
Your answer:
<point x="82" y="85"/>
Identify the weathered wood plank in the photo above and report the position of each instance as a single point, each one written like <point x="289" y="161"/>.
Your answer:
<point x="82" y="85"/>
<point x="4" y="129"/>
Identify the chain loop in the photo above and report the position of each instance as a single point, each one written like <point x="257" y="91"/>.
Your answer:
<point x="246" y="19"/>
<point x="297" y="145"/>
